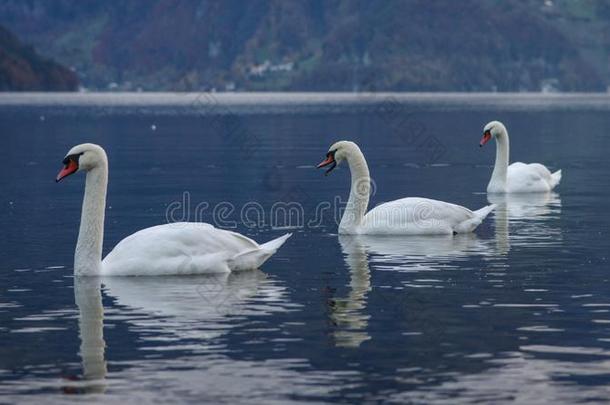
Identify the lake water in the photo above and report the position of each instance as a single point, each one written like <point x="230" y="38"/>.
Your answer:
<point x="518" y="311"/>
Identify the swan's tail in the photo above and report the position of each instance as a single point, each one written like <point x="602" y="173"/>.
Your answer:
<point x="253" y="259"/>
<point x="484" y="212"/>
<point x="273" y="245"/>
<point x="479" y="215"/>
<point x="555" y="178"/>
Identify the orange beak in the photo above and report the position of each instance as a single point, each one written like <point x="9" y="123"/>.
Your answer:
<point x="485" y="139"/>
<point x="70" y="167"/>
<point x="330" y="160"/>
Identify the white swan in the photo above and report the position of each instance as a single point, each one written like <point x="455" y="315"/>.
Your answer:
<point x="518" y="177"/>
<point x="407" y="216"/>
<point x="178" y="248"/>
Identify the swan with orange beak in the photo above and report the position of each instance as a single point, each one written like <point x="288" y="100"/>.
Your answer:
<point x="407" y="216"/>
<point x="168" y="249"/>
<point x="517" y="177"/>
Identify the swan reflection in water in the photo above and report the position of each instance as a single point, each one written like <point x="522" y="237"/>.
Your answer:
<point x="348" y="313"/>
<point x="196" y="307"/>
<point x="88" y="298"/>
<point x="523" y="219"/>
<point x="167" y="309"/>
<point x="393" y="253"/>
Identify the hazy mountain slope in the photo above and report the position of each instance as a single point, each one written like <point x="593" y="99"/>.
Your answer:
<point x="441" y="45"/>
<point x="21" y="69"/>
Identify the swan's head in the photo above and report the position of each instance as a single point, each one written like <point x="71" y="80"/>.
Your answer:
<point x="338" y="152"/>
<point x="84" y="157"/>
<point x="493" y="129"/>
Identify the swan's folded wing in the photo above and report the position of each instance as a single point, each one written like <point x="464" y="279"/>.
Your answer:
<point x="416" y="215"/>
<point x="541" y="170"/>
<point x="178" y="248"/>
<point x="528" y="177"/>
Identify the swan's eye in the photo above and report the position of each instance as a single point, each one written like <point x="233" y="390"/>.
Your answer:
<point x="73" y="158"/>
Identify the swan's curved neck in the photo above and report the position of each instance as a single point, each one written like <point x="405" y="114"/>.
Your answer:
<point x="498" y="177"/>
<point x="359" y="194"/>
<point x="88" y="254"/>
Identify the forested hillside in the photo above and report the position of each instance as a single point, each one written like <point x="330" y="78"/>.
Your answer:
<point x="332" y="45"/>
<point x="22" y="69"/>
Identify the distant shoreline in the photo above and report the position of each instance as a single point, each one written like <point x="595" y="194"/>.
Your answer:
<point x="270" y="103"/>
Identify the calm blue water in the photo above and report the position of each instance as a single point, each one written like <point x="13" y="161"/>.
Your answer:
<point x="518" y="311"/>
